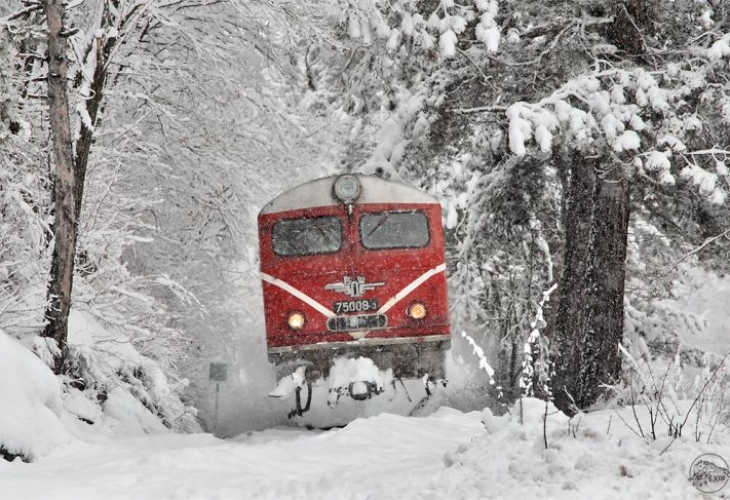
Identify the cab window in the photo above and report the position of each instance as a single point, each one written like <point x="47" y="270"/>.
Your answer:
<point x="394" y="229"/>
<point x="307" y="236"/>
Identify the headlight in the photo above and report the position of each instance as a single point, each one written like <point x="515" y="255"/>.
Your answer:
<point x="347" y="188"/>
<point x="295" y="320"/>
<point x="417" y="310"/>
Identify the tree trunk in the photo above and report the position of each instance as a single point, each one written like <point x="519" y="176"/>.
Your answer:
<point x="631" y="18"/>
<point x="566" y="341"/>
<point x="604" y="316"/>
<point x="93" y="105"/>
<point x="64" y="185"/>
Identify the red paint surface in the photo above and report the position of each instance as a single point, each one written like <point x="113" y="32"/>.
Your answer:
<point x="396" y="267"/>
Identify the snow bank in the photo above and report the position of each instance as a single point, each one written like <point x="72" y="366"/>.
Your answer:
<point x="597" y="455"/>
<point x="31" y="407"/>
<point x="124" y="393"/>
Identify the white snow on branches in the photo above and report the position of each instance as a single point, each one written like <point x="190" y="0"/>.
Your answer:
<point x="393" y="39"/>
<point x="585" y="110"/>
<point x="705" y="181"/>
<point x="672" y="142"/>
<point x="628" y="141"/>
<point x="627" y="109"/>
<point x="406" y="24"/>
<point x="446" y="23"/>
<point x="487" y="30"/>
<point x="720" y="48"/>
<point x="483" y="363"/>
<point x="657" y="161"/>
<point x="721" y="168"/>
<point x="447" y="44"/>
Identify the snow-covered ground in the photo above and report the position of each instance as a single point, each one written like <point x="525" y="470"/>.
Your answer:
<point x="381" y="457"/>
<point x="448" y="454"/>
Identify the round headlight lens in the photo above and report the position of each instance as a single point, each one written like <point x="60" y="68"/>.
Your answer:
<point x="417" y="310"/>
<point x="295" y="320"/>
<point x="347" y="188"/>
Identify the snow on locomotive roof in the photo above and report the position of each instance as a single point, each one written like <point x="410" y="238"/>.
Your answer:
<point x="318" y="193"/>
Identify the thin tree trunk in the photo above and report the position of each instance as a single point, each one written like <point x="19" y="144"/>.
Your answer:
<point x="604" y="321"/>
<point x="64" y="185"/>
<point x="93" y="106"/>
<point x="566" y="341"/>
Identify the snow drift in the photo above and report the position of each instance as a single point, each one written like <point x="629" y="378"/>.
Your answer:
<point x="31" y="408"/>
<point x="112" y="389"/>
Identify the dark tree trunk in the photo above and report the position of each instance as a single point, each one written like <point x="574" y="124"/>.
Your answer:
<point x="566" y="340"/>
<point x="64" y="185"/>
<point x="631" y="18"/>
<point x="604" y="319"/>
<point x="93" y="105"/>
<point x="589" y="318"/>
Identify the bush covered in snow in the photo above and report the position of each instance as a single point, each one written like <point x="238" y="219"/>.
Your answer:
<point x="130" y="387"/>
<point x="113" y="389"/>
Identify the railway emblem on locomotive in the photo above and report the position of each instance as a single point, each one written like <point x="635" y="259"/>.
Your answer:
<point x="353" y="287"/>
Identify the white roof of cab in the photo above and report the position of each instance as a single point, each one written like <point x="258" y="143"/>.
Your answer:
<point x="318" y="193"/>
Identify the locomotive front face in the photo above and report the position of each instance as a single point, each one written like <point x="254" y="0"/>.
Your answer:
<point x="357" y="274"/>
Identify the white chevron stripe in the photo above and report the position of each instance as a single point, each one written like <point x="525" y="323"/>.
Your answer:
<point x="329" y="314"/>
<point x="298" y="294"/>
<point x="415" y="284"/>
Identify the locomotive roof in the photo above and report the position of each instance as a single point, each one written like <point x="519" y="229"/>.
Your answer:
<point x="318" y="193"/>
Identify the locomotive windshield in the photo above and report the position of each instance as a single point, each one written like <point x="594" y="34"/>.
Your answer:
<point x="395" y="229"/>
<point x="307" y="236"/>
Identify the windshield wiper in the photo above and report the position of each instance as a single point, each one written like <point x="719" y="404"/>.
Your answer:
<point x="378" y="224"/>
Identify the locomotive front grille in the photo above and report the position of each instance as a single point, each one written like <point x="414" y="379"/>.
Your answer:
<point x="357" y="322"/>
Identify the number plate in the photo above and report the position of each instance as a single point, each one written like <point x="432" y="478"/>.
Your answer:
<point x="357" y="322"/>
<point x="351" y="306"/>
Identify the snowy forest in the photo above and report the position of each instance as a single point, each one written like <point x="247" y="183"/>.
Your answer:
<point x="580" y="152"/>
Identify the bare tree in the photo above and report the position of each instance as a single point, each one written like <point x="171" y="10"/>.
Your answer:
<point x="64" y="182"/>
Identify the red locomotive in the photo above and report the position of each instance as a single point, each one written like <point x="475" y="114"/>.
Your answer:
<point x="353" y="266"/>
